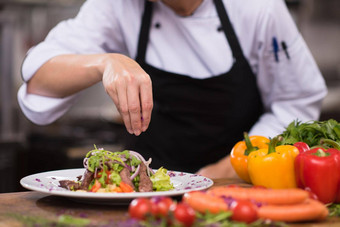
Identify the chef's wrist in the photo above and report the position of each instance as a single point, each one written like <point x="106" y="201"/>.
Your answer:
<point x="96" y="65"/>
<point x="106" y="61"/>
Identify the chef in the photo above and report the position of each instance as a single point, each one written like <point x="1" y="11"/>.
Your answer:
<point x="187" y="77"/>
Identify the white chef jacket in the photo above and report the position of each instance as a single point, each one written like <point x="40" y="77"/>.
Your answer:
<point x="291" y="89"/>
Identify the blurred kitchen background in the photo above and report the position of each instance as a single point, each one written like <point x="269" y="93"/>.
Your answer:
<point x="26" y="148"/>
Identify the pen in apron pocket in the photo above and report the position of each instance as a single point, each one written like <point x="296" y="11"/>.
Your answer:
<point x="285" y="49"/>
<point x="276" y="49"/>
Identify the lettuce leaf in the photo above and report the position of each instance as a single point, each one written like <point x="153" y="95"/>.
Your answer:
<point x="161" y="180"/>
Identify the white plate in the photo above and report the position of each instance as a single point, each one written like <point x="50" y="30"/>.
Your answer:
<point x="48" y="182"/>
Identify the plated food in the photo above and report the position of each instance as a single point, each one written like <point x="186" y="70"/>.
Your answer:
<point x="114" y="171"/>
<point x="125" y="171"/>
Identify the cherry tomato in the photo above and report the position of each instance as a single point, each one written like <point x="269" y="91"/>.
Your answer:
<point x="160" y="206"/>
<point x="244" y="211"/>
<point x="183" y="214"/>
<point x="140" y="208"/>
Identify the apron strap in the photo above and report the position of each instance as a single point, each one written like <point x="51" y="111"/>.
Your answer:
<point x="222" y="13"/>
<point x="144" y="32"/>
<point x="229" y="30"/>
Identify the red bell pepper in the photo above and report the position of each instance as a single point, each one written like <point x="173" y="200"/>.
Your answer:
<point x="301" y="146"/>
<point x="318" y="170"/>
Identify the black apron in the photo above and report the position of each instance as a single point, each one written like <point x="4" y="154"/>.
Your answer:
<point x="196" y="122"/>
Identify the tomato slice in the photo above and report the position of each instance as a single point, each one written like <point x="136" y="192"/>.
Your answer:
<point x="96" y="186"/>
<point x="125" y="187"/>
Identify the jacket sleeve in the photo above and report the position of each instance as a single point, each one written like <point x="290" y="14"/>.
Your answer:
<point x="292" y="88"/>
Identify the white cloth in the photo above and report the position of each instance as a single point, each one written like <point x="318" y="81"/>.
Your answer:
<point x="291" y="89"/>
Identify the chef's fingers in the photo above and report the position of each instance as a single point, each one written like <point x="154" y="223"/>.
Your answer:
<point x="115" y="99"/>
<point x="123" y="107"/>
<point x="146" y="101"/>
<point x="110" y="87"/>
<point x="134" y="106"/>
<point x="127" y="84"/>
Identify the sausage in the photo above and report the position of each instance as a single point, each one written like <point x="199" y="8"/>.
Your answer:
<point x="125" y="175"/>
<point x="145" y="184"/>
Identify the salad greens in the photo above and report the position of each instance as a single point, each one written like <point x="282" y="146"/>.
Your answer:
<point x="100" y="158"/>
<point x="160" y="180"/>
<point x="121" y="172"/>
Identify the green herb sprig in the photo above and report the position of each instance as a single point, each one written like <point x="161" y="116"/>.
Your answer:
<point x="311" y="132"/>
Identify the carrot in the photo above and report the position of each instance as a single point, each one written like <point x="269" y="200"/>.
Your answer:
<point x="306" y="211"/>
<point x="125" y="187"/>
<point x="276" y="210"/>
<point x="262" y="195"/>
<point x="203" y="202"/>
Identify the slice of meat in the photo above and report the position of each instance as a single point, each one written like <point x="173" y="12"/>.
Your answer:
<point x="145" y="184"/>
<point x="69" y="185"/>
<point x="88" y="177"/>
<point x="125" y="175"/>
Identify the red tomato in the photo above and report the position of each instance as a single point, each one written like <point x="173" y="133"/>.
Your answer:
<point x="140" y="208"/>
<point x="244" y="211"/>
<point x="160" y="206"/>
<point x="183" y="214"/>
<point x="96" y="186"/>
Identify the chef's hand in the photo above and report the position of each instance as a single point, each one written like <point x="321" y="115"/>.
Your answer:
<point x="220" y="169"/>
<point x="130" y="88"/>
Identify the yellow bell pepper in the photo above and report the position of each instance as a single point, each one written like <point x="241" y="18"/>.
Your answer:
<point x="273" y="167"/>
<point x="241" y="150"/>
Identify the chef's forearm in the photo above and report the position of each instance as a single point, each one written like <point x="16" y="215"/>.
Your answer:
<point x="65" y="75"/>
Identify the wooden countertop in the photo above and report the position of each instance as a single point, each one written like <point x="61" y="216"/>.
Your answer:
<point x="38" y="209"/>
